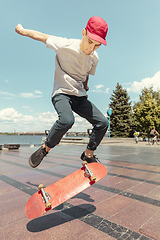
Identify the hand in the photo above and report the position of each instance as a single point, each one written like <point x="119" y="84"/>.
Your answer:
<point x="86" y="88"/>
<point x="19" y="29"/>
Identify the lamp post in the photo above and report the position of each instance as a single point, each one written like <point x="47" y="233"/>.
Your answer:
<point x="109" y="112"/>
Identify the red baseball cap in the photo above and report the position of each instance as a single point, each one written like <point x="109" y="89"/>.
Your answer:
<point x="97" y="29"/>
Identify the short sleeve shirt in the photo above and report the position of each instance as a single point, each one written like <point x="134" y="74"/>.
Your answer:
<point x="71" y="65"/>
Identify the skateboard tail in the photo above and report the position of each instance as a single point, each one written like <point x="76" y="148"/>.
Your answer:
<point x="32" y="209"/>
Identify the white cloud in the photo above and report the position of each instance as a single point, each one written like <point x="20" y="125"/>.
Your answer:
<point x="6" y="81"/>
<point x="9" y="114"/>
<point x="10" y="119"/>
<point x="107" y="90"/>
<point x="136" y="87"/>
<point x="99" y="86"/>
<point x="27" y="95"/>
<point x="7" y="94"/>
<point x="127" y="83"/>
<point x="36" y="94"/>
<point x="25" y="107"/>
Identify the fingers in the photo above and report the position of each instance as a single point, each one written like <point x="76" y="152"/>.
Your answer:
<point x="18" y="28"/>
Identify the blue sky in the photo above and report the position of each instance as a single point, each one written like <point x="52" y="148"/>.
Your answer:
<point x="131" y="57"/>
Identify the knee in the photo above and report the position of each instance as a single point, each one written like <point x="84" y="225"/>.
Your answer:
<point x="103" y="124"/>
<point x="67" y="123"/>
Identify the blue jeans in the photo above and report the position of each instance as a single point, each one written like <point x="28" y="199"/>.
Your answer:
<point x="65" y="105"/>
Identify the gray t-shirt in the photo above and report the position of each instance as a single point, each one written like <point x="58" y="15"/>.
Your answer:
<point x="71" y="66"/>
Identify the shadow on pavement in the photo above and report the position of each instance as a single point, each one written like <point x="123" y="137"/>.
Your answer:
<point x="69" y="213"/>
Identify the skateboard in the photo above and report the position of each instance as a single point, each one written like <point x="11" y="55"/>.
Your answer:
<point x="64" y="189"/>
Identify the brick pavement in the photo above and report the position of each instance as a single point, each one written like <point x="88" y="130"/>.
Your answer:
<point x="123" y="205"/>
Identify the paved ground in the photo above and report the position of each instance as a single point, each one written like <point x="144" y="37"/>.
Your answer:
<point x="123" y="205"/>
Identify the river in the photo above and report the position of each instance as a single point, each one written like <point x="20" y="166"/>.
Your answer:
<point x="21" y="139"/>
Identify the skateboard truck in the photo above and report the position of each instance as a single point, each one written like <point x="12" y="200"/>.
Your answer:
<point x="45" y="196"/>
<point x="88" y="172"/>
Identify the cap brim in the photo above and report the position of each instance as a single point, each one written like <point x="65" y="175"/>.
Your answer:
<point x="96" y="38"/>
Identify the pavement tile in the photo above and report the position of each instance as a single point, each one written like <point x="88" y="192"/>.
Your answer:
<point x="94" y="234"/>
<point x="156" y="178"/>
<point x="94" y="197"/>
<point x="142" y="174"/>
<point x="18" y="231"/>
<point x="114" y="205"/>
<point x="67" y="157"/>
<point x="13" y="209"/>
<point x="155" y="193"/>
<point x="64" y="170"/>
<point x="135" y="215"/>
<point x="85" y="196"/>
<point x="70" y="230"/>
<point x="111" y="181"/>
<point x="11" y="169"/>
<point x="16" y="159"/>
<point x="146" y="167"/>
<point x="5" y="188"/>
<point x="143" y="188"/>
<point x="58" y="227"/>
<point x="137" y="174"/>
<point x="126" y="184"/>
<point x="44" y="165"/>
<point x="150" y="176"/>
<point x="34" y="178"/>
<point x="122" y="164"/>
<point x="152" y="227"/>
<point x="156" y="169"/>
<point x="2" y="233"/>
<point x="118" y="170"/>
<point x="66" y="161"/>
<point x="12" y="195"/>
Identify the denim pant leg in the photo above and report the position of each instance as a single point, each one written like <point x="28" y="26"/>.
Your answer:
<point x="65" y="120"/>
<point x="92" y="114"/>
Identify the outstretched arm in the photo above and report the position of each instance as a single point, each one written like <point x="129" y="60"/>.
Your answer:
<point x="42" y="37"/>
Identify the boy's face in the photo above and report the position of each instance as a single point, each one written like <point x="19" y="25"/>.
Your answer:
<point x="88" y="45"/>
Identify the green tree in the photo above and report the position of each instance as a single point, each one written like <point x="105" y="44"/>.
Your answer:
<point x="155" y="94"/>
<point x="121" y="118"/>
<point x="147" y="111"/>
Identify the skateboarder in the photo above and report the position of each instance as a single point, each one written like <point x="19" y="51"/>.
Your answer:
<point x="75" y="60"/>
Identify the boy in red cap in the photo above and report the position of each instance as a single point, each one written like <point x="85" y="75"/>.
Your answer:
<point x="75" y="60"/>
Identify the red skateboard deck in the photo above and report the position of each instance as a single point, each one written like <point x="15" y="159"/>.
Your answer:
<point x="64" y="189"/>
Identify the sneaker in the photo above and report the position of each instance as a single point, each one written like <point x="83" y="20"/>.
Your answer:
<point x="89" y="160"/>
<point x="36" y="158"/>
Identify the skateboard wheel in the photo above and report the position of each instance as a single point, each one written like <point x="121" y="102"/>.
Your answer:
<point x="93" y="178"/>
<point x="84" y="163"/>
<point x="48" y="204"/>
<point x="40" y="186"/>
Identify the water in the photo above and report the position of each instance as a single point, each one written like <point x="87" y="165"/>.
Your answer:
<point x="21" y="139"/>
<point x="26" y="139"/>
